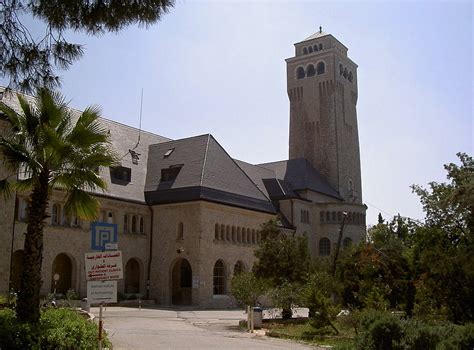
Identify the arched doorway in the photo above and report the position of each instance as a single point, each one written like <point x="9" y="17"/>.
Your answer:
<point x="132" y="276"/>
<point x="181" y="283"/>
<point x="17" y="263"/>
<point x="62" y="265"/>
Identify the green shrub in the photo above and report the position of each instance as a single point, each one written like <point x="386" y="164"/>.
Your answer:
<point x="379" y="331"/>
<point x="57" y="329"/>
<point x="421" y="336"/>
<point x="461" y="338"/>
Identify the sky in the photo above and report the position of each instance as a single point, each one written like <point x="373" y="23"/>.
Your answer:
<point x="218" y="67"/>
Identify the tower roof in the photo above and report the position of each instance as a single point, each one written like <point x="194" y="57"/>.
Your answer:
<point x="316" y="35"/>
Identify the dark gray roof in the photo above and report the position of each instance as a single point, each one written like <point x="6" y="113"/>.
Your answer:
<point x="206" y="172"/>
<point x="257" y="174"/>
<point x="301" y="175"/>
<point x="316" y="35"/>
<point x="123" y="139"/>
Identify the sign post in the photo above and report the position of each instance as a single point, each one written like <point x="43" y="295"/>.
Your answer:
<point x="103" y="268"/>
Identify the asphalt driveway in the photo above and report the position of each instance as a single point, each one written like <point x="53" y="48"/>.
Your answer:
<point x="151" y="328"/>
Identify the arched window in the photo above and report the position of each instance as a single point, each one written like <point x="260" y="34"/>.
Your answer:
<point x="310" y="72"/>
<point x="234" y="238"/>
<point x="320" y="46"/>
<point x="321" y="217"/>
<point x="320" y="68"/>
<point x="315" y="48"/>
<point x="216" y="232"/>
<point x="310" y="49"/>
<point x="258" y="237"/>
<point x="339" y="216"/>
<point x="345" y="73"/>
<point x="134" y="224"/>
<point x="110" y="217"/>
<point x="227" y="233"/>
<point x="346" y="242"/>
<point x="300" y="73"/>
<point x="350" y="77"/>
<point x="341" y="69"/>
<point x="180" y="234"/>
<point x="305" y="51"/>
<point x="125" y="223"/>
<point x="238" y="267"/>
<point x="333" y="216"/>
<point x="328" y="216"/>
<point x="56" y="214"/>
<point x="142" y="225"/>
<point x="219" y="278"/>
<point x="239" y="235"/>
<point x="324" y="247"/>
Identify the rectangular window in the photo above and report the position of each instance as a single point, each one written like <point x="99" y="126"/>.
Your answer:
<point x="120" y="175"/>
<point x="305" y="216"/>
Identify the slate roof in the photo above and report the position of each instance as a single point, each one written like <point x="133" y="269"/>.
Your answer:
<point x="123" y="138"/>
<point x="206" y="172"/>
<point x="316" y="35"/>
<point x="299" y="174"/>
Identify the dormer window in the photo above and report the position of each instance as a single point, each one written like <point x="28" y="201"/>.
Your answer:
<point x="120" y="174"/>
<point x="171" y="173"/>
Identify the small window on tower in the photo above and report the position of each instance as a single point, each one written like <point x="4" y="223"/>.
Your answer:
<point x="300" y="74"/>
<point x="350" y="77"/>
<point x="315" y="48"/>
<point x="310" y="72"/>
<point x="345" y="73"/>
<point x="320" y="46"/>
<point x="320" y="68"/>
<point x="305" y="51"/>
<point x="310" y="49"/>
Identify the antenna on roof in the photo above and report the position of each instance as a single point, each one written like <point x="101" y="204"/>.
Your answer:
<point x="135" y="155"/>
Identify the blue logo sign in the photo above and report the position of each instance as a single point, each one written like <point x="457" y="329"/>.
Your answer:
<point x="103" y="233"/>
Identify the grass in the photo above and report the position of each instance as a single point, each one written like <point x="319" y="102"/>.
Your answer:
<point x="303" y="331"/>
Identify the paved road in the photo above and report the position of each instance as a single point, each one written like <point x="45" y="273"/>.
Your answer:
<point x="129" y="328"/>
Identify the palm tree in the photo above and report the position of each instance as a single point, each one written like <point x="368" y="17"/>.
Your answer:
<point x="55" y="152"/>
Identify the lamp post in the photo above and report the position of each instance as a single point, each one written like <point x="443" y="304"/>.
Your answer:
<point x="338" y="246"/>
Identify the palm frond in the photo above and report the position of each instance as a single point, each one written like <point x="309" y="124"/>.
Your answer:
<point x="5" y="188"/>
<point x="9" y="114"/>
<point x="82" y="204"/>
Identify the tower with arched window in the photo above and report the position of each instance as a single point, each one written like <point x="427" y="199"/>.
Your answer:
<point x="322" y="88"/>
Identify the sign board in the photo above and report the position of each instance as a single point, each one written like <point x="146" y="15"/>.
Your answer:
<point x="103" y="233"/>
<point x="111" y="246"/>
<point x="104" y="266"/>
<point x="101" y="292"/>
<point x="195" y="282"/>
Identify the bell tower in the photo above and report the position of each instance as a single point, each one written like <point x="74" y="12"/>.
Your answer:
<point x="322" y="88"/>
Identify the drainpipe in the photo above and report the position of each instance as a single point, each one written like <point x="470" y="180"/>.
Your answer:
<point x="150" y="255"/>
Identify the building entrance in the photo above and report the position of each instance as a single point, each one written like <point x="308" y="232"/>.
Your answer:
<point x="181" y="283"/>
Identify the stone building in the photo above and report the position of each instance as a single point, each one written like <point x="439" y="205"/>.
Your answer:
<point x="189" y="215"/>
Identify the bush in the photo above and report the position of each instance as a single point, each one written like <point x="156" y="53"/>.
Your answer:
<point x="246" y="288"/>
<point x="421" y="336"/>
<point x="286" y="296"/>
<point x="57" y="329"/>
<point x="379" y="331"/>
<point x="462" y="338"/>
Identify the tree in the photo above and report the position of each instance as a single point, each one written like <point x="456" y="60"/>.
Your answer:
<point x="443" y="247"/>
<point x="30" y="63"/>
<point x="284" y="260"/>
<point x="246" y="288"/>
<point x="56" y="153"/>
<point x="281" y="257"/>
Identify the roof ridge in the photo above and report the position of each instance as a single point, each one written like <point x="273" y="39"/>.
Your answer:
<point x="205" y="159"/>
<point x="242" y="170"/>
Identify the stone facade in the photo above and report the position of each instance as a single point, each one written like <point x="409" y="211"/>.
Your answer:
<point x="189" y="215"/>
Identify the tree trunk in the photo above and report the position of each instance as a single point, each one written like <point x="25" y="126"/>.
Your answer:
<point x="28" y="305"/>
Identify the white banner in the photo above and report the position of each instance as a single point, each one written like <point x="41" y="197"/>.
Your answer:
<point x="101" y="292"/>
<point x="104" y="266"/>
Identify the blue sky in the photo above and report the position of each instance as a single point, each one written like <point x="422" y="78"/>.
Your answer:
<point x="218" y="67"/>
